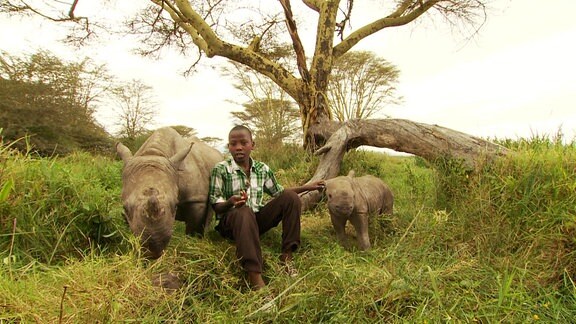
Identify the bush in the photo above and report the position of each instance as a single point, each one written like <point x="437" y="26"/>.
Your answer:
<point x="522" y="205"/>
<point x="55" y="208"/>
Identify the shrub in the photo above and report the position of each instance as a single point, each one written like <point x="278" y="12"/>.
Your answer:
<point x="54" y="208"/>
<point x="522" y="205"/>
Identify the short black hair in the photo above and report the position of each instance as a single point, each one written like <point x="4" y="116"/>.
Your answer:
<point x="239" y="128"/>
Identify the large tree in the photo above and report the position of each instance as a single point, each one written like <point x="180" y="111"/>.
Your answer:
<point x="198" y="25"/>
<point x="230" y="29"/>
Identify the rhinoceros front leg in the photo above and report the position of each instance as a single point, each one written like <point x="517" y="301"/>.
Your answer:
<point x="196" y="216"/>
<point x="339" y="224"/>
<point x="360" y="222"/>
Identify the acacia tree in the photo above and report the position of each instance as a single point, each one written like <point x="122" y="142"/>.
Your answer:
<point x="271" y="119"/>
<point x="135" y="108"/>
<point x="360" y="85"/>
<point x="202" y="26"/>
<point x="269" y="112"/>
<point x="196" y="25"/>
<point x="185" y="131"/>
<point x="309" y="85"/>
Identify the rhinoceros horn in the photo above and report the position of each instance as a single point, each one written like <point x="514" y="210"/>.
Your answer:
<point x="123" y="152"/>
<point x="152" y="207"/>
<point x="177" y="158"/>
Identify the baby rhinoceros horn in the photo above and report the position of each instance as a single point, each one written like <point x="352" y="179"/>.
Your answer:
<point x="152" y="205"/>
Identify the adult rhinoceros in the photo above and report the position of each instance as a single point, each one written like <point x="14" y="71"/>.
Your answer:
<point x="166" y="179"/>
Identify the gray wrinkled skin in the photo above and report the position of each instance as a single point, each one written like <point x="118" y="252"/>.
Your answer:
<point x="354" y="199"/>
<point x="166" y="179"/>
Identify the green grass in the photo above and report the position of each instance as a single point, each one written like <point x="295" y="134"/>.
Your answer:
<point x="495" y="245"/>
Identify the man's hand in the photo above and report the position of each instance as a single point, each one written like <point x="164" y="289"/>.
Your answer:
<point x="318" y="185"/>
<point x="239" y="200"/>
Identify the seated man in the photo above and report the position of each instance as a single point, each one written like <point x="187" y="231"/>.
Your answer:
<point x="237" y="187"/>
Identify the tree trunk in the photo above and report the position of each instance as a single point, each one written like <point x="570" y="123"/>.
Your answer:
<point x="430" y="142"/>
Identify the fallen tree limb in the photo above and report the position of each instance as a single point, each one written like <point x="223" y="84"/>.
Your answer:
<point x="431" y="142"/>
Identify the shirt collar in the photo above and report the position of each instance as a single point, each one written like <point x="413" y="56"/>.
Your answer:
<point x="235" y="167"/>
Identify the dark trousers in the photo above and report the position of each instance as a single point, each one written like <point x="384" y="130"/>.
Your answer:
<point x="245" y="227"/>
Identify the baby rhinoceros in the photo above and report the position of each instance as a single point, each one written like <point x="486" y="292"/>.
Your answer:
<point x="353" y="199"/>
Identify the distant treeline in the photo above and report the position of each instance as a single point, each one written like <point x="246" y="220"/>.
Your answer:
<point x="47" y="105"/>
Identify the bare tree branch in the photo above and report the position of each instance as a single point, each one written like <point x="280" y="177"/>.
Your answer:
<point x="403" y="15"/>
<point x="340" y="26"/>
<point x="297" y="43"/>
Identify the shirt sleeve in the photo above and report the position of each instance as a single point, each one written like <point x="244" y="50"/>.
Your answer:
<point x="215" y="193"/>
<point x="271" y="185"/>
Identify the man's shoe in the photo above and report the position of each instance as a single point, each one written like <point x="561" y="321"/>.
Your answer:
<point x="290" y="269"/>
<point x="288" y="265"/>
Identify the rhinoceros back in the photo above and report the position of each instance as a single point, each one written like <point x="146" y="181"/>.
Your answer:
<point x="163" y="142"/>
<point x="375" y="194"/>
<point x="194" y="172"/>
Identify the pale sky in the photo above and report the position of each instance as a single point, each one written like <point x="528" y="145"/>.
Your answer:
<point x="515" y="79"/>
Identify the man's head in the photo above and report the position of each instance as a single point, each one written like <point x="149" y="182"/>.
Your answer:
<point x="240" y="144"/>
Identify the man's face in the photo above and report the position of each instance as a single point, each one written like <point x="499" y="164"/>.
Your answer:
<point x="240" y="145"/>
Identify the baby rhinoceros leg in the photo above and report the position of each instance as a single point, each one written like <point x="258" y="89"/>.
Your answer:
<point x="339" y="224"/>
<point x="360" y="222"/>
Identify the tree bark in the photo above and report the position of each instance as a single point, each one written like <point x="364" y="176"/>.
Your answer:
<point x="430" y="142"/>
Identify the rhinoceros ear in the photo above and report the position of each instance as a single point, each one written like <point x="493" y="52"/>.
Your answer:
<point x="351" y="173"/>
<point x="123" y="152"/>
<point x="177" y="158"/>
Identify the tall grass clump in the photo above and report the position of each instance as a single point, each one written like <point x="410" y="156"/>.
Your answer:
<point x="519" y="212"/>
<point x="55" y="208"/>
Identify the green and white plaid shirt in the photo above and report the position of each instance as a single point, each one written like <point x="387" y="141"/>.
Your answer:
<point x="228" y="179"/>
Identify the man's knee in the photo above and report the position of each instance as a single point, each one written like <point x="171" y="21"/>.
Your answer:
<point x="292" y="197"/>
<point x="243" y="214"/>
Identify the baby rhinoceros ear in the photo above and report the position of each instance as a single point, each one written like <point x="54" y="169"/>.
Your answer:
<point x="123" y="152"/>
<point x="351" y="173"/>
